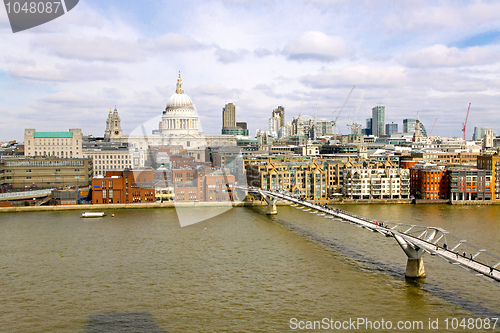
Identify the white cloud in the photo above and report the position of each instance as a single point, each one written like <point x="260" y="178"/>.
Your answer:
<point x="318" y="46"/>
<point x="443" y="56"/>
<point x="73" y="73"/>
<point x="261" y="52"/>
<point x="358" y="75"/>
<point x="91" y="48"/>
<point x="174" y="42"/>
<point x="415" y="15"/>
<point x="228" y="56"/>
<point x="63" y="97"/>
<point x="213" y="89"/>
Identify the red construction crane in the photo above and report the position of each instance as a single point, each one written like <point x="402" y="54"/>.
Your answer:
<point x="464" y="124"/>
<point x="432" y="129"/>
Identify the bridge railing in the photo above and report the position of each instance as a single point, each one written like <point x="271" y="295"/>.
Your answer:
<point x="432" y="235"/>
<point x="25" y="194"/>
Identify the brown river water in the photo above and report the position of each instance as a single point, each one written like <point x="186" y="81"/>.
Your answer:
<point x="242" y="271"/>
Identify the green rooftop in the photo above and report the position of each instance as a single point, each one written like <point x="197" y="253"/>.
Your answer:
<point x="53" y="135"/>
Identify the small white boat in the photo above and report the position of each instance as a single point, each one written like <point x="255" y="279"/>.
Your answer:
<point x="89" y="214"/>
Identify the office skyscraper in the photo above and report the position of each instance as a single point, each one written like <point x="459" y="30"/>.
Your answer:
<point x="478" y="133"/>
<point x="229" y="116"/>
<point x="368" y="129"/>
<point x="391" y="128"/>
<point x="280" y="113"/>
<point x="378" y="120"/>
<point x="409" y="125"/>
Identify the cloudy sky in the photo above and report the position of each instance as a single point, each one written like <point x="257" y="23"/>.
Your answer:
<point x="431" y="57"/>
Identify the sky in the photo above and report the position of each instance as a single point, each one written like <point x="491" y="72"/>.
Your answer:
<point x="427" y="57"/>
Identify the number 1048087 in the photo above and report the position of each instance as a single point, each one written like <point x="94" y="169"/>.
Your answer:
<point x="33" y="7"/>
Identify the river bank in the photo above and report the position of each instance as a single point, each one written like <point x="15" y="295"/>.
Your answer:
<point x="137" y="205"/>
<point x="171" y="204"/>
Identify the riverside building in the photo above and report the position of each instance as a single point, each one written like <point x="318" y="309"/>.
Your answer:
<point x="364" y="183"/>
<point x="39" y="172"/>
<point x="429" y="181"/>
<point x="55" y="144"/>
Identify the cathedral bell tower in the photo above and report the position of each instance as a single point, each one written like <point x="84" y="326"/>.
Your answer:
<point x="113" y="127"/>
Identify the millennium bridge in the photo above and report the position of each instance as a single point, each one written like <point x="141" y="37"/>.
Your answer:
<point x="414" y="240"/>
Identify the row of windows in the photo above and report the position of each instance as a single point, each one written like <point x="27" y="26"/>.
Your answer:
<point x="44" y="163"/>
<point x="61" y="154"/>
<point x="57" y="143"/>
<point x="54" y="141"/>
<point x="104" y="157"/>
<point x="111" y="162"/>
<point x="57" y="177"/>
<point x="107" y="167"/>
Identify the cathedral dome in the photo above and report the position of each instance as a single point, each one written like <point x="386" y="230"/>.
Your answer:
<point x="179" y="117"/>
<point x="179" y="100"/>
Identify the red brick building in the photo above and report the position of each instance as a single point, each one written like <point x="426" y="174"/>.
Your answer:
<point x="186" y="185"/>
<point x="406" y="164"/>
<point x="207" y="184"/>
<point x="217" y="185"/>
<point x="124" y="187"/>
<point x="429" y="182"/>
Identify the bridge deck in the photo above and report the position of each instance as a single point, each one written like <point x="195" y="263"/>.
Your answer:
<point x="24" y="195"/>
<point x="425" y="238"/>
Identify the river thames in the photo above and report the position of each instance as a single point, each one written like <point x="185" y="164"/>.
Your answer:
<point x="242" y="271"/>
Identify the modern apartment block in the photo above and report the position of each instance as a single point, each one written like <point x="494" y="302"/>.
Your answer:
<point x="365" y="183"/>
<point x="307" y="178"/>
<point x="470" y="184"/>
<point x="491" y="162"/>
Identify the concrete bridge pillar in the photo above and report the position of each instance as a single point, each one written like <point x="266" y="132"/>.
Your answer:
<point x="415" y="268"/>
<point x="415" y="264"/>
<point x="271" y="204"/>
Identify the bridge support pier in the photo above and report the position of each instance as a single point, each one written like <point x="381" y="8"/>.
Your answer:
<point x="415" y="268"/>
<point x="271" y="204"/>
<point x="415" y="264"/>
